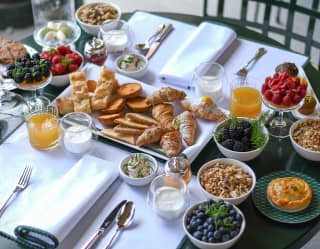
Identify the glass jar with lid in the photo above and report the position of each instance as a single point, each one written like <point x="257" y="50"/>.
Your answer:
<point x="178" y="166"/>
<point x="95" y="51"/>
<point x="54" y="23"/>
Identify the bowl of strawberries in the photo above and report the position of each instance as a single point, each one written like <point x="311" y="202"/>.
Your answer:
<point x="64" y="61"/>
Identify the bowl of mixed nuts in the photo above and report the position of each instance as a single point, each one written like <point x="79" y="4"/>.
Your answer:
<point x="305" y="138"/>
<point x="226" y="179"/>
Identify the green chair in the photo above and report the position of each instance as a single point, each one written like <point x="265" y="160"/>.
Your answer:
<point x="269" y="27"/>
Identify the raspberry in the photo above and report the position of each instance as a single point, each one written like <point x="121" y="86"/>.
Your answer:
<point x="286" y="100"/>
<point x="290" y="93"/>
<point x="276" y="76"/>
<point x="284" y="76"/>
<point x="303" y="93"/>
<point x="276" y="99"/>
<point x="268" y="94"/>
<point x="304" y="86"/>
<point x="296" y="99"/>
<point x="264" y="87"/>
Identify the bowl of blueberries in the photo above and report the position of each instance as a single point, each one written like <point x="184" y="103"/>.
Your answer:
<point x="214" y="224"/>
<point x="241" y="138"/>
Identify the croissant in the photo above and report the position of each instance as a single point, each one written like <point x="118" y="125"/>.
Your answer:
<point x="165" y="94"/>
<point x="187" y="125"/>
<point x="163" y="113"/>
<point x="171" y="143"/>
<point x="150" y="135"/>
<point x="203" y="110"/>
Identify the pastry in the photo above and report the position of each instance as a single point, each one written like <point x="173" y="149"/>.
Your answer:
<point x="115" y="106"/>
<point x="106" y="85"/>
<point x="10" y="50"/>
<point x="164" y="114"/>
<point x="150" y="135"/>
<point x="209" y="111"/>
<point x="122" y="137"/>
<point x="92" y="84"/>
<point x="165" y="94"/>
<point x="138" y="104"/>
<point x="129" y="123"/>
<point x="65" y="105"/>
<point x="129" y="90"/>
<point x="187" y="125"/>
<point x="80" y="93"/>
<point x="140" y="118"/>
<point x="290" y="194"/>
<point x="128" y="130"/>
<point x="171" y="143"/>
<point x="108" y="119"/>
<point x="289" y="68"/>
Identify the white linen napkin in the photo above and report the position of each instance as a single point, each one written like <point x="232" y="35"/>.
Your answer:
<point x="72" y="196"/>
<point x="207" y="43"/>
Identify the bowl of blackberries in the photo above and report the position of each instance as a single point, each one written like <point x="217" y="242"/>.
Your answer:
<point x="214" y="224"/>
<point x="30" y="72"/>
<point x="241" y="138"/>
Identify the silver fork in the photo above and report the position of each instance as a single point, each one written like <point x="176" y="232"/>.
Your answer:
<point x="22" y="184"/>
<point x="243" y="71"/>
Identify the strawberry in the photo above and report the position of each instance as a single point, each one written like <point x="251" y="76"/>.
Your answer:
<point x="56" y="59"/>
<point x="267" y="80"/>
<point x="264" y="87"/>
<point x="68" y="50"/>
<point x="71" y="58"/>
<point x="77" y="58"/>
<point x="73" y="67"/>
<point x="60" y="69"/>
<point x="299" y="88"/>
<point x="275" y="88"/>
<point x="276" y="99"/>
<point x="292" y="85"/>
<point x="296" y="99"/>
<point x="286" y="100"/>
<point x="268" y="94"/>
<point x="62" y="50"/>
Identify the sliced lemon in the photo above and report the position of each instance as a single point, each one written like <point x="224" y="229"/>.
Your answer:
<point x="207" y="100"/>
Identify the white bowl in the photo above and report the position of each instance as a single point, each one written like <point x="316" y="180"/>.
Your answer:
<point x="139" y="181"/>
<point x="91" y="28"/>
<point x="242" y="156"/>
<point x="63" y="80"/>
<point x="305" y="153"/>
<point x="134" y="74"/>
<point x="245" y="167"/>
<point x="207" y="245"/>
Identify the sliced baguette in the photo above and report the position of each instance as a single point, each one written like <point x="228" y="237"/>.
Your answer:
<point x="128" y="123"/>
<point x="128" y="130"/>
<point x="123" y="137"/>
<point x="109" y="118"/>
<point x="141" y="118"/>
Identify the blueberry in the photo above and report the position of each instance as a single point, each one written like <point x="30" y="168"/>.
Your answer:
<point x="205" y="231"/>
<point x="204" y="238"/>
<point x="236" y="223"/>
<point x="228" y="206"/>
<point x="45" y="72"/>
<point x="196" y="224"/>
<point x="28" y="77"/>
<point x="201" y="215"/>
<point x="239" y="217"/>
<point x="221" y="229"/>
<point x="210" y="234"/>
<point x="11" y="66"/>
<point x="227" y="219"/>
<point x="200" y="228"/>
<point x="217" y="234"/>
<point x="198" y="220"/>
<point x="190" y="228"/>
<point x="210" y="227"/>
<point x="225" y="237"/>
<point x="201" y="208"/>
<point x="19" y="77"/>
<point x="233" y="234"/>
<point x="209" y="220"/>
<point x="205" y="225"/>
<point x="232" y="212"/>
<point x="211" y="240"/>
<point x="26" y="70"/>
<point x="197" y="235"/>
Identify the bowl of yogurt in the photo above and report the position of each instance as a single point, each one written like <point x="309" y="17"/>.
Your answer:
<point x="132" y="65"/>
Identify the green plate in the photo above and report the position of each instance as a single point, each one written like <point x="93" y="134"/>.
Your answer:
<point x="259" y="196"/>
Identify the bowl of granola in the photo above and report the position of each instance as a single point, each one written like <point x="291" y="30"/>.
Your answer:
<point x="305" y="138"/>
<point x="91" y="16"/>
<point x="226" y="179"/>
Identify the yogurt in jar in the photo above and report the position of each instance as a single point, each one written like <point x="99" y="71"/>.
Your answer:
<point x="209" y="86"/>
<point x="77" y="139"/>
<point x="115" y="40"/>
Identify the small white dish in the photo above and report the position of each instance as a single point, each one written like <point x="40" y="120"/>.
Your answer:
<point x="133" y="74"/>
<point x="242" y="156"/>
<point x="207" y="245"/>
<point x="305" y="153"/>
<point x="245" y="167"/>
<point x="91" y="28"/>
<point x="139" y="181"/>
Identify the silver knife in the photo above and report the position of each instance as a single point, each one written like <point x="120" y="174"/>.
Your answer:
<point x="157" y="42"/>
<point x="103" y="226"/>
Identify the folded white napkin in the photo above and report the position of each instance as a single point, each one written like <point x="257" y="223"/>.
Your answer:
<point x="72" y="196"/>
<point x="207" y="43"/>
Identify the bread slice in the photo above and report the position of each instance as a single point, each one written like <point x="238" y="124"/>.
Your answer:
<point x="92" y="84"/>
<point x="108" y="119"/>
<point x="138" y="104"/>
<point x="115" y="106"/>
<point x="128" y="130"/>
<point x="129" y="90"/>
<point x="122" y="137"/>
<point x="140" y="118"/>
<point x="129" y="123"/>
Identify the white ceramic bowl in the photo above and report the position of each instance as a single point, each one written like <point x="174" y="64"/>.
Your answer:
<point x="94" y="29"/>
<point x="207" y="245"/>
<point x="63" y="80"/>
<point x="139" y="181"/>
<point x="305" y="153"/>
<point x="135" y="74"/>
<point x="245" y="167"/>
<point x="242" y="156"/>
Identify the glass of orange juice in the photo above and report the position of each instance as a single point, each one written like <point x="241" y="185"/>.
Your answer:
<point x="245" y="98"/>
<point x="43" y="127"/>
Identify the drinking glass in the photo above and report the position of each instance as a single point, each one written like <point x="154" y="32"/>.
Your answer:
<point x="43" y="126"/>
<point x="208" y="79"/>
<point x="245" y="98"/>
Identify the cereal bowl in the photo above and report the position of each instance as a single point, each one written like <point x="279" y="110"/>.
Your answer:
<point x="305" y="152"/>
<point x="209" y="179"/>
<point x="93" y="29"/>
<point x="208" y="243"/>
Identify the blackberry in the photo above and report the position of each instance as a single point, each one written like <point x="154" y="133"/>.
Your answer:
<point x="238" y="146"/>
<point x="26" y="55"/>
<point x="245" y="140"/>
<point x="247" y="132"/>
<point x="38" y="76"/>
<point x="10" y="74"/>
<point x="45" y="72"/>
<point x="28" y="64"/>
<point x="20" y="64"/>
<point x="229" y="143"/>
<point x="26" y="70"/>
<point x="244" y="124"/>
<point x="19" y="77"/>
<point x="16" y="61"/>
<point x="11" y="66"/>
<point x="28" y="77"/>
<point x="236" y="132"/>
<point x="35" y="62"/>
<point x="36" y="56"/>
<point x="37" y="68"/>
<point x="224" y="132"/>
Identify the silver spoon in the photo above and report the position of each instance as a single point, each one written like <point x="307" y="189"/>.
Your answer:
<point x="124" y="219"/>
<point x="146" y="44"/>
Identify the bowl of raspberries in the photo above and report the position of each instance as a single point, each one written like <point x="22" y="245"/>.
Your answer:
<point x="214" y="224"/>
<point x="64" y="61"/>
<point x="241" y="138"/>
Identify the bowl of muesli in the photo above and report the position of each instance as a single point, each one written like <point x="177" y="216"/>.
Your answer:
<point x="305" y="138"/>
<point x="226" y="179"/>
